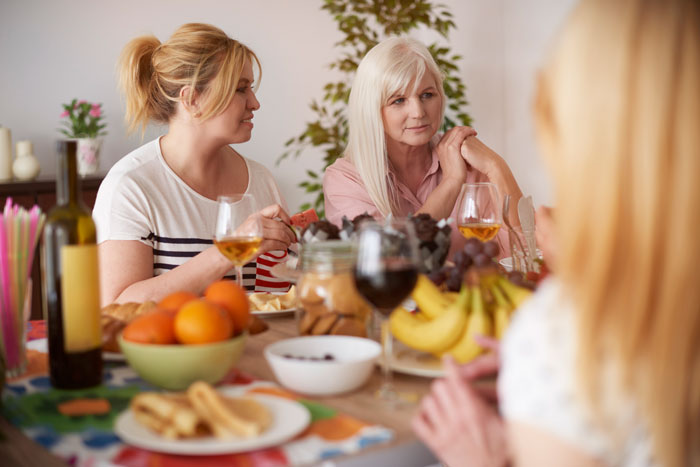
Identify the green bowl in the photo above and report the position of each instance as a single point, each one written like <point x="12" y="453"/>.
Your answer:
<point x="175" y="367"/>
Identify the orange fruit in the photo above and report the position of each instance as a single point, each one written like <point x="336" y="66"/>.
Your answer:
<point x="175" y="300"/>
<point x="154" y="327"/>
<point x="233" y="298"/>
<point x="201" y="321"/>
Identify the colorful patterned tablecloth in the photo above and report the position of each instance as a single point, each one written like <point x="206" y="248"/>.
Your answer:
<point x="30" y="403"/>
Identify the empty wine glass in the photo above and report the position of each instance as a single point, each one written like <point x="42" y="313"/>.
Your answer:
<point x="479" y="211"/>
<point x="239" y="230"/>
<point x="385" y="273"/>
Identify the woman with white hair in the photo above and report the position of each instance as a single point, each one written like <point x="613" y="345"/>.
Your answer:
<point x="396" y="162"/>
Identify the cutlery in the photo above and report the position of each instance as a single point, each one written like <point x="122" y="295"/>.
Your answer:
<point x="526" y="213"/>
<point x="516" y="246"/>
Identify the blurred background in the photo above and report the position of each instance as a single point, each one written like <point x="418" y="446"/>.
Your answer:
<point x="52" y="52"/>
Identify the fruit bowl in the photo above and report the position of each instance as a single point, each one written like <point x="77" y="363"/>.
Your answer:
<point x="175" y="367"/>
<point x="322" y="365"/>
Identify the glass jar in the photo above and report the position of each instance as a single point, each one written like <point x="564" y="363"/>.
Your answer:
<point x="327" y="300"/>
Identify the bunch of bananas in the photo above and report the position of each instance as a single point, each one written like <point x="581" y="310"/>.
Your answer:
<point x="446" y="322"/>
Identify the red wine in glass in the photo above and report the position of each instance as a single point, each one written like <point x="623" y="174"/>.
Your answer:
<point x="388" y="288"/>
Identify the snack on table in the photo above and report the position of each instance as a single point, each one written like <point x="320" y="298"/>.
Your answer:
<point x="228" y="417"/>
<point x="265" y="301"/>
<point x="347" y="232"/>
<point x="319" y="231"/>
<point x="434" y="241"/>
<point x="115" y="317"/>
<point x="169" y="415"/>
<point x="201" y="411"/>
<point x="128" y="311"/>
<point x="330" y="304"/>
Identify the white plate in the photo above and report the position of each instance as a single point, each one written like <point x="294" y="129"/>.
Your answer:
<point x="42" y="345"/>
<point x="274" y="312"/>
<point x="507" y="262"/>
<point x="289" y="419"/>
<point x="413" y="362"/>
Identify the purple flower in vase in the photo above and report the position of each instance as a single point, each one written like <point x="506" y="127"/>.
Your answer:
<point x="64" y="114"/>
<point x="95" y="111"/>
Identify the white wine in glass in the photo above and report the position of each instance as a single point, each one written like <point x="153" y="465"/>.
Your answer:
<point x="238" y="230"/>
<point x="478" y="212"/>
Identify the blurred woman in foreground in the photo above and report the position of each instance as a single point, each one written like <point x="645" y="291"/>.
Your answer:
<point x="602" y="366"/>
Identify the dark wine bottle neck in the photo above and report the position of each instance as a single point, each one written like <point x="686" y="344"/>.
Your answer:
<point x="67" y="181"/>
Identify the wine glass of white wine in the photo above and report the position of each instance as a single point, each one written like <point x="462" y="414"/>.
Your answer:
<point x="478" y="212"/>
<point x="239" y="230"/>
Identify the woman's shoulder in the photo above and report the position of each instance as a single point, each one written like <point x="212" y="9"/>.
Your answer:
<point x="340" y="170"/>
<point x="539" y="384"/>
<point x="133" y="165"/>
<point x="258" y="174"/>
<point x="342" y="165"/>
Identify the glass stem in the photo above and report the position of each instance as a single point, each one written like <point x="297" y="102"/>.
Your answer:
<point x="239" y="276"/>
<point x="386" y="346"/>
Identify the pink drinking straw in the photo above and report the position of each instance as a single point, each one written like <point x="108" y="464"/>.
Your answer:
<point x="9" y="337"/>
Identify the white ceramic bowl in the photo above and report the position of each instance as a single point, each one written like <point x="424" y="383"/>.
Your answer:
<point x="351" y="366"/>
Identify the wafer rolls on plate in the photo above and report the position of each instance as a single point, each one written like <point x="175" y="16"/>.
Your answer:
<point x="228" y="417"/>
<point x="169" y="415"/>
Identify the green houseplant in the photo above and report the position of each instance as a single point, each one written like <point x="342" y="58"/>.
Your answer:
<point x="364" y="23"/>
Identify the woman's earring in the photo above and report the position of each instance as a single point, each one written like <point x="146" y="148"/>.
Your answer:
<point x="197" y="114"/>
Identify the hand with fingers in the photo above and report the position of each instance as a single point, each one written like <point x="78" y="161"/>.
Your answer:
<point x="479" y="156"/>
<point x="456" y="420"/>
<point x="277" y="236"/>
<point x="449" y="152"/>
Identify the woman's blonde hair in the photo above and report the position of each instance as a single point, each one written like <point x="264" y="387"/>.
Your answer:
<point x="197" y="55"/>
<point x="387" y="69"/>
<point x="617" y="113"/>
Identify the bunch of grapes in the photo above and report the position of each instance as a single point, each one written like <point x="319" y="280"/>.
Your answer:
<point x="474" y="254"/>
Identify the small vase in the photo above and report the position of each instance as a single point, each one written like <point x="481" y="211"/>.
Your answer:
<point x="88" y="155"/>
<point x="26" y="165"/>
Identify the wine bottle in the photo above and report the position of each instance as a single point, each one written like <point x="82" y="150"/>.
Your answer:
<point x="70" y="282"/>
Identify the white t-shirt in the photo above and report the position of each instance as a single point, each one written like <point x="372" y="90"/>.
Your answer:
<point x="538" y="384"/>
<point x="142" y="199"/>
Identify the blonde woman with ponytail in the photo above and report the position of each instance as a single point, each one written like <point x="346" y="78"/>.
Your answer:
<point x="396" y="162"/>
<point x="156" y="208"/>
<point x="602" y="366"/>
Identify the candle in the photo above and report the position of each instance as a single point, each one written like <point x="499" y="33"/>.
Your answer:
<point x="5" y="154"/>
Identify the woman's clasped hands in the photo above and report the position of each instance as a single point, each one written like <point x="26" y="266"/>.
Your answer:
<point x="449" y="152"/>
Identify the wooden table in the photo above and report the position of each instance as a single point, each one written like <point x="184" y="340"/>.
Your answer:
<point x="361" y="403"/>
<point x="22" y="451"/>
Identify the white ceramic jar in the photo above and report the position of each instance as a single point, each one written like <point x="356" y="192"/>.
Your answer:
<point x="26" y="165"/>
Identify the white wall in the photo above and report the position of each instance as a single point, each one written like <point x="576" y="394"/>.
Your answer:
<point x="51" y="52"/>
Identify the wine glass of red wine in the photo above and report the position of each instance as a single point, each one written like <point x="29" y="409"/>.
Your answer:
<point x="385" y="273"/>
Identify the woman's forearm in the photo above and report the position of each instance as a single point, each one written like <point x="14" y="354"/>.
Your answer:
<point x="193" y="276"/>
<point x="441" y="201"/>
